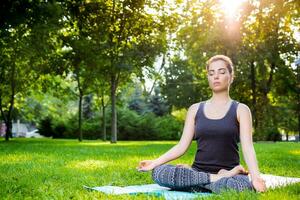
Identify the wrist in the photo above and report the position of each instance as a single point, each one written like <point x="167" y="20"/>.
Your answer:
<point x="155" y="162"/>
<point x="256" y="177"/>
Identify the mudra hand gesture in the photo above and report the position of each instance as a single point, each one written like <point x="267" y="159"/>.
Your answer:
<point x="259" y="184"/>
<point x="146" y="165"/>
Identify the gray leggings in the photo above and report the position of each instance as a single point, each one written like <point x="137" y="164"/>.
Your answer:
<point x="188" y="179"/>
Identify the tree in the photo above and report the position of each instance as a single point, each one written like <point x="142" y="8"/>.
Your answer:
<point x="182" y="87"/>
<point x="132" y="43"/>
<point x="137" y="101"/>
<point x="19" y="22"/>
<point x="101" y="89"/>
<point x="261" y="44"/>
<point x="80" y="50"/>
<point x="157" y="103"/>
<point x="270" y="50"/>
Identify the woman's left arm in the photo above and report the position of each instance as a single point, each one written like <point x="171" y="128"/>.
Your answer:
<point x="245" y="120"/>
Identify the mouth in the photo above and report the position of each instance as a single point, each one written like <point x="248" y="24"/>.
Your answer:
<point x="216" y="83"/>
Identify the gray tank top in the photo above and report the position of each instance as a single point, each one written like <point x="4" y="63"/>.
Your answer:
<point x="217" y="141"/>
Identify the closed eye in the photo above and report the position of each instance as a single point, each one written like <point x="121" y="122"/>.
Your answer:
<point x="222" y="71"/>
<point x="211" y="73"/>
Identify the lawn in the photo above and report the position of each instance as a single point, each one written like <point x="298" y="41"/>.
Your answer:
<point x="57" y="169"/>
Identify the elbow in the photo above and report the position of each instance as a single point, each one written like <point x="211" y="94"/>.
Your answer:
<point x="181" y="149"/>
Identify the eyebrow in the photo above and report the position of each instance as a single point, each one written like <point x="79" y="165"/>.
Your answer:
<point x="211" y="70"/>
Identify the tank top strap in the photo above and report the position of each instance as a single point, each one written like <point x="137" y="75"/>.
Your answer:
<point x="199" y="111"/>
<point x="232" y="113"/>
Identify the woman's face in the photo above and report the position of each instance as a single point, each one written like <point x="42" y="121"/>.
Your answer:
<point x="219" y="78"/>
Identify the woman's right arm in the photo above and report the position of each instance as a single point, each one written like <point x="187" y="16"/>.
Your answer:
<point x="180" y="148"/>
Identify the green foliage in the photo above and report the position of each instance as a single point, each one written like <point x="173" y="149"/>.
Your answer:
<point x="45" y="127"/>
<point x="96" y="46"/>
<point x="262" y="46"/>
<point x="143" y="103"/>
<point x="137" y="101"/>
<point x="169" y="128"/>
<point x="147" y="126"/>
<point x="158" y="104"/>
<point x="132" y="126"/>
<point x="59" y="130"/>
<point x="182" y="87"/>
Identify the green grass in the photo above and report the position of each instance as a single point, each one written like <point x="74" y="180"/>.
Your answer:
<point x="57" y="169"/>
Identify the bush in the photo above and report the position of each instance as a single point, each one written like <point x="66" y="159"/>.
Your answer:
<point x="59" y="130"/>
<point x="131" y="126"/>
<point x="91" y="129"/>
<point x="267" y="134"/>
<point x="45" y="127"/>
<point x="169" y="128"/>
<point x="274" y="136"/>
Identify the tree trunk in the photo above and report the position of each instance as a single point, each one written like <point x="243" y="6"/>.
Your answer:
<point x="113" y="109"/>
<point x="77" y="71"/>
<point x="80" y="117"/>
<point x="253" y="88"/>
<point x="8" y="133"/>
<point x="103" y="117"/>
<point x="8" y="120"/>
<point x="4" y="117"/>
<point x="298" y="94"/>
<point x="262" y="119"/>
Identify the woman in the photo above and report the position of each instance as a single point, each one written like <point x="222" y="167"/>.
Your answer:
<point x="217" y="124"/>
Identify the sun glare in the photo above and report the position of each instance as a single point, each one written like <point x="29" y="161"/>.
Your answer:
<point x="230" y="7"/>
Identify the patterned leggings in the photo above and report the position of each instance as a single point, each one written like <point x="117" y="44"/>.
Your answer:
<point x="188" y="179"/>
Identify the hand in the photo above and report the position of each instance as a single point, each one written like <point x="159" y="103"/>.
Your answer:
<point x="146" y="165"/>
<point x="259" y="184"/>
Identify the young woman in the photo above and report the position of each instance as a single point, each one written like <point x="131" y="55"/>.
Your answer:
<point x="217" y="124"/>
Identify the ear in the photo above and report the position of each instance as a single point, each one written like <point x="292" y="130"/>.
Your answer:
<point x="231" y="79"/>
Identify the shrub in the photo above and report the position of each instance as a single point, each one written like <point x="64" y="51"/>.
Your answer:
<point x="45" y="127"/>
<point x="131" y="126"/>
<point x="169" y="128"/>
<point x="59" y="130"/>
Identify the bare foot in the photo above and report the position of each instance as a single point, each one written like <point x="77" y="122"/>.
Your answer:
<point x="239" y="169"/>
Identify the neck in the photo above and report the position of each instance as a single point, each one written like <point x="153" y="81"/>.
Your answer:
<point x="220" y="97"/>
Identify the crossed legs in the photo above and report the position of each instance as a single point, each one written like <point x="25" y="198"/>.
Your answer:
<point x="188" y="179"/>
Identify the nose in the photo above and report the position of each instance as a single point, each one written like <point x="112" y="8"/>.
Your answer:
<point x="216" y="76"/>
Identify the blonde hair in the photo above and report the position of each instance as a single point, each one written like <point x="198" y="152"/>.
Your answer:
<point x="225" y="59"/>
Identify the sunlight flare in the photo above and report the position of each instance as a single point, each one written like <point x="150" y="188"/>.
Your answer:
<point x="230" y="7"/>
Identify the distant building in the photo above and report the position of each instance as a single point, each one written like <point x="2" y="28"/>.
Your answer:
<point x="19" y="129"/>
<point x="2" y="129"/>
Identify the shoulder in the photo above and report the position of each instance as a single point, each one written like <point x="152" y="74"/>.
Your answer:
<point x="194" y="108"/>
<point x="243" y="108"/>
<point x="243" y="111"/>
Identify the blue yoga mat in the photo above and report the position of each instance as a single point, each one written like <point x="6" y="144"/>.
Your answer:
<point x="272" y="182"/>
<point x="149" y="189"/>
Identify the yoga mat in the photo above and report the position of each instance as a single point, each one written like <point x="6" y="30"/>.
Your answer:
<point x="272" y="181"/>
<point x="151" y="189"/>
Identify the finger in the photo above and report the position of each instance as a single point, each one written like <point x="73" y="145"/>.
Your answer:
<point x="245" y="172"/>
<point x="142" y="170"/>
